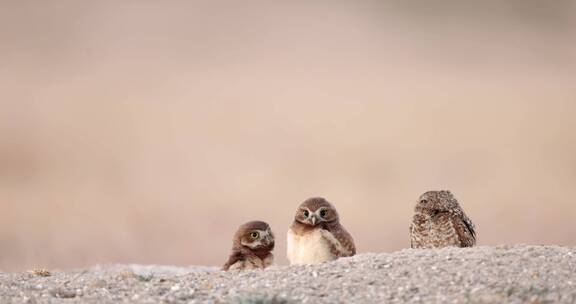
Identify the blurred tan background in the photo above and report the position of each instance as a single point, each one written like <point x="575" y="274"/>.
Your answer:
<point x="147" y="131"/>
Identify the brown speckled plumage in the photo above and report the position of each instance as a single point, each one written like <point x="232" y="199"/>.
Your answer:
<point x="440" y="222"/>
<point x="252" y="247"/>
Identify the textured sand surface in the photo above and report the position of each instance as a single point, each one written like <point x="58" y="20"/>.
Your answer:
<point x="505" y="274"/>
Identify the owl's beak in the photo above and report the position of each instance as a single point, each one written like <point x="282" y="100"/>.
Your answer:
<point x="313" y="220"/>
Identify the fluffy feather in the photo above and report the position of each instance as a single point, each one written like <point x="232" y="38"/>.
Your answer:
<point x="316" y="235"/>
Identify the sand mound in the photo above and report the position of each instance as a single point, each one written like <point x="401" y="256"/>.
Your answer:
<point x="510" y="274"/>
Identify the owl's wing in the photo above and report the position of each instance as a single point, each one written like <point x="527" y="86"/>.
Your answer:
<point x="418" y="221"/>
<point x="235" y="257"/>
<point x="411" y="228"/>
<point x="340" y="241"/>
<point x="465" y="230"/>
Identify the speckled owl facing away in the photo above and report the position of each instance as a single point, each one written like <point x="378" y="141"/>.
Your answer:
<point x="316" y="235"/>
<point x="252" y="247"/>
<point x="440" y="222"/>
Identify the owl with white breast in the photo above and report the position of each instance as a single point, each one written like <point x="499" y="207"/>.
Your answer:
<point x="316" y="235"/>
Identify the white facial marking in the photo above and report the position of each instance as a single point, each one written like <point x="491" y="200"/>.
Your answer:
<point x="262" y="235"/>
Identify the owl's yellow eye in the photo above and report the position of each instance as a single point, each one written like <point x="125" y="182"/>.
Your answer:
<point x="254" y="234"/>
<point x="323" y="213"/>
<point x="306" y="213"/>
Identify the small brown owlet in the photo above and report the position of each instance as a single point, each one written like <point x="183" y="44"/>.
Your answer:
<point x="316" y="235"/>
<point x="252" y="247"/>
<point x="440" y="222"/>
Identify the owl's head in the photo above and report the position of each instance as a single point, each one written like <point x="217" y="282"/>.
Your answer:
<point x="255" y="235"/>
<point x="437" y="201"/>
<point x="316" y="210"/>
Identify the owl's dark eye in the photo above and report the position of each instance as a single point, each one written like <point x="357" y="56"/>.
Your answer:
<point x="323" y="213"/>
<point x="306" y="213"/>
<point x="423" y="201"/>
<point x="254" y="234"/>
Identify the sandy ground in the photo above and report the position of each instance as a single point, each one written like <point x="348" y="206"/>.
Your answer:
<point x="505" y="274"/>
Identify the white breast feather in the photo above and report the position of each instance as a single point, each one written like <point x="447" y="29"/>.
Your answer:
<point x="308" y="248"/>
